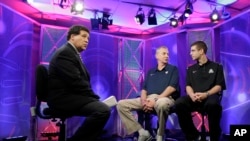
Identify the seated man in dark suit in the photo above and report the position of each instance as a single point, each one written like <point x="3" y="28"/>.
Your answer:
<point x="70" y="90"/>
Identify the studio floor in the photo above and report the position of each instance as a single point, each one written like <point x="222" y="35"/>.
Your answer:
<point x="173" y="135"/>
<point x="166" y="139"/>
<point x="170" y="135"/>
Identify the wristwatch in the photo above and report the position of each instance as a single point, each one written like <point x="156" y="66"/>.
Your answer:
<point x="207" y="93"/>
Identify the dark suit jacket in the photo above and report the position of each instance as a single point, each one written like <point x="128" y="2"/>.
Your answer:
<point x="69" y="81"/>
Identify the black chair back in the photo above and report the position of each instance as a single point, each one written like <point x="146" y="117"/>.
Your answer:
<point x="48" y="113"/>
<point x="41" y="90"/>
<point x="41" y="83"/>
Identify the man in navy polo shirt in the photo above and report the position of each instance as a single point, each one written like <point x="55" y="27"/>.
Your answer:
<point x="158" y="94"/>
<point x="204" y="82"/>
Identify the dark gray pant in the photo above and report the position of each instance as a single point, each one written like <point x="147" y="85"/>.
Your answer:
<point x="97" y="114"/>
<point x="185" y="106"/>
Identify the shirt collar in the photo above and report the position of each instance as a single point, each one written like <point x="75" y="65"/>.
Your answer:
<point x="74" y="47"/>
<point x="205" y="64"/>
<point x="164" y="69"/>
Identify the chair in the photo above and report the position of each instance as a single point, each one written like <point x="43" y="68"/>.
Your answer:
<point x="145" y="120"/>
<point x="204" y="132"/>
<point x="146" y="117"/>
<point x="48" y="113"/>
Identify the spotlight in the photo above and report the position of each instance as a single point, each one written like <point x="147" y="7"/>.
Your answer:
<point x="140" y="17"/>
<point x="214" y="16"/>
<point x="225" y="14"/>
<point x="182" y="19"/>
<point x="95" y="23"/>
<point x="188" y="9"/>
<point x="173" y="22"/>
<point x="28" y="1"/>
<point x="105" y="21"/>
<point x="77" y="8"/>
<point x="152" y="17"/>
<point x="61" y="3"/>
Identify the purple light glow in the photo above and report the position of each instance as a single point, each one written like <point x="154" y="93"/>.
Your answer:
<point x="100" y="86"/>
<point x="2" y="27"/>
<point x="242" y="97"/>
<point x="226" y="2"/>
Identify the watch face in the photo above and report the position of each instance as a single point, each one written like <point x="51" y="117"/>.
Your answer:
<point x="207" y="93"/>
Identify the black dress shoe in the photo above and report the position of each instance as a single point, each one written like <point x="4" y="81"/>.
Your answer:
<point x="197" y="139"/>
<point x="70" y="139"/>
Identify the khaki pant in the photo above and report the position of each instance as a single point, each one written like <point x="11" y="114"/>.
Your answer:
<point x="126" y="106"/>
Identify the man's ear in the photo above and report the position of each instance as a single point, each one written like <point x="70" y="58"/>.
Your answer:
<point x="202" y="51"/>
<point x="72" y="36"/>
<point x="156" y="56"/>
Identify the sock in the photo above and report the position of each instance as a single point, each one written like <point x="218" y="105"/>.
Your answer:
<point x="142" y="131"/>
<point x="158" y="133"/>
<point x="159" y="137"/>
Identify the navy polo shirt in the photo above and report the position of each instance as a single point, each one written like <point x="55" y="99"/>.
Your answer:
<point x="157" y="81"/>
<point x="203" y="77"/>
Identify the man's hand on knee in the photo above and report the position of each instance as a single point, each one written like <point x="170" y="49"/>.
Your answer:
<point x="149" y="105"/>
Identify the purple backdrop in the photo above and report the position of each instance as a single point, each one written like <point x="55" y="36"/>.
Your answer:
<point x="235" y="57"/>
<point x="18" y="55"/>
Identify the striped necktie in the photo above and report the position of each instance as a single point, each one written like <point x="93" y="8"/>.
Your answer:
<point x="80" y="56"/>
<point x="83" y="66"/>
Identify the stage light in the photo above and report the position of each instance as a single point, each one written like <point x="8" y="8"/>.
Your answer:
<point x="77" y="7"/>
<point x="61" y="3"/>
<point x="173" y="22"/>
<point x="214" y="16"/>
<point x="188" y="9"/>
<point x="95" y="23"/>
<point x="152" y="17"/>
<point x="28" y="1"/>
<point x="140" y="17"/>
<point x="182" y="19"/>
<point x="105" y="21"/>
<point x="225" y="14"/>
